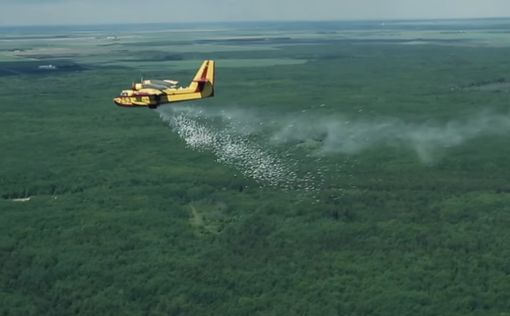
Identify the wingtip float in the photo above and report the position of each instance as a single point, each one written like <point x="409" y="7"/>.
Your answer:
<point x="153" y="93"/>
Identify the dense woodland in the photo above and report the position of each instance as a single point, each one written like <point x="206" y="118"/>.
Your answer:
<point x="125" y="219"/>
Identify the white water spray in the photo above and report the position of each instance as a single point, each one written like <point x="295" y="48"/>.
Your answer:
<point x="234" y="149"/>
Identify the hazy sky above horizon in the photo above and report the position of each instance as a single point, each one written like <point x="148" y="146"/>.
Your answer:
<point x="30" y="12"/>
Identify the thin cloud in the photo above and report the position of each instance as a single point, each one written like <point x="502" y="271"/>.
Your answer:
<point x="127" y="11"/>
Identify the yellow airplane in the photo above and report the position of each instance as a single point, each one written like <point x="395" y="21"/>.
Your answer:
<point x="153" y="93"/>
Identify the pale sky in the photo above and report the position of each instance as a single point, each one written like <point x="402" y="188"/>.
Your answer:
<point x="35" y="12"/>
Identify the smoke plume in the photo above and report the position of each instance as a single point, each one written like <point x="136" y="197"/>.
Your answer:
<point x="261" y="145"/>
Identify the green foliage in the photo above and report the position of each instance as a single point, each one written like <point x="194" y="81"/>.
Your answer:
<point x="124" y="219"/>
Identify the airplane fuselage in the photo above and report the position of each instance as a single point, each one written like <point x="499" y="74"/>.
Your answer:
<point x="156" y="92"/>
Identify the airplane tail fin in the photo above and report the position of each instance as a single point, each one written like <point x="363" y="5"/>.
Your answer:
<point x="204" y="79"/>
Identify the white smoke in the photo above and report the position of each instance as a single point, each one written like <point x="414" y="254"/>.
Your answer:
<point x="429" y="139"/>
<point x="275" y="149"/>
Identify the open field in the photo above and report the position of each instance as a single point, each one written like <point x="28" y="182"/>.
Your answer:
<point x="341" y="169"/>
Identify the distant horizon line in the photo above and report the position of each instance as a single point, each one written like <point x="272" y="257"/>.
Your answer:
<point x="261" y="21"/>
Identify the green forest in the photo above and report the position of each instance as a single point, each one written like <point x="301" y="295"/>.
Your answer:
<point x="386" y="152"/>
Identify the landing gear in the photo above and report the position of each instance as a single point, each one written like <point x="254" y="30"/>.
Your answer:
<point x="157" y="99"/>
